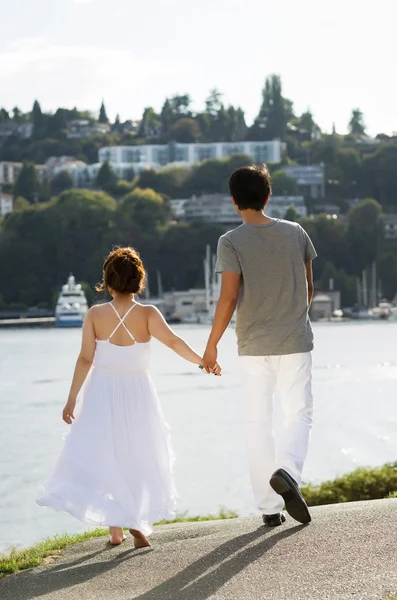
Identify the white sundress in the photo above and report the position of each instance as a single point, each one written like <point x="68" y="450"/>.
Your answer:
<point x="116" y="465"/>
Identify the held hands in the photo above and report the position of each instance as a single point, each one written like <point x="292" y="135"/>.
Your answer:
<point x="209" y="361"/>
<point x="68" y="411"/>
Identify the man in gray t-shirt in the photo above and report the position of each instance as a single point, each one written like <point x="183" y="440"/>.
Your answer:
<point x="266" y="267"/>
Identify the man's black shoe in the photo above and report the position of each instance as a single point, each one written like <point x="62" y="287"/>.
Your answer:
<point x="273" y="520"/>
<point x="295" y="504"/>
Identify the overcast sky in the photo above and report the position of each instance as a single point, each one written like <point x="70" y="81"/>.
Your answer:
<point x="332" y="56"/>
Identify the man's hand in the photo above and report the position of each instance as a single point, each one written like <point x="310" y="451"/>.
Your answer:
<point x="209" y="358"/>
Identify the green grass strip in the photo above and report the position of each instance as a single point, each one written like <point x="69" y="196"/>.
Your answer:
<point x="18" y="560"/>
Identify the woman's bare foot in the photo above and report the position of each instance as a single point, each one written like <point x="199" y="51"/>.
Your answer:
<point x="140" y="541"/>
<point x="116" y="535"/>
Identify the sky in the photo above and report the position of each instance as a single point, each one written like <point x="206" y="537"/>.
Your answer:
<point x="332" y="56"/>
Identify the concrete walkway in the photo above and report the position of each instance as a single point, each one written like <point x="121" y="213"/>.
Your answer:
<point x="349" y="551"/>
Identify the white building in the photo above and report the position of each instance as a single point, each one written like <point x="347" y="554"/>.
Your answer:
<point x="6" y="204"/>
<point x="390" y="227"/>
<point x="175" y="154"/>
<point x="56" y="164"/>
<point x="309" y="179"/>
<point x="218" y="208"/>
<point x="9" y="172"/>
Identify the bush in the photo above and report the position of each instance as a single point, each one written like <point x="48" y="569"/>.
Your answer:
<point x="361" y="484"/>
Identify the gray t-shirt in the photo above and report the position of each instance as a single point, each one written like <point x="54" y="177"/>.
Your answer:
<point x="272" y="309"/>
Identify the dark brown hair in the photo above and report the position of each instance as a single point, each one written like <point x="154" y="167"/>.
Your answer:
<point x="251" y="187"/>
<point x="123" y="272"/>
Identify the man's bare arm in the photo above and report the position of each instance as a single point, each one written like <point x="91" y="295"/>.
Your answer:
<point x="224" y="311"/>
<point x="310" y="286"/>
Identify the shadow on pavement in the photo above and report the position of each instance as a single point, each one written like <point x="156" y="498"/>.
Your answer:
<point x="193" y="582"/>
<point x="228" y="562"/>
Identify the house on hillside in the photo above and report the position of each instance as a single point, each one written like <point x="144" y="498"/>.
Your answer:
<point x="82" y="128"/>
<point x="6" y="204"/>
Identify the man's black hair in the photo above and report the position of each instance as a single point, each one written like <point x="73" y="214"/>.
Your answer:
<point x="251" y="187"/>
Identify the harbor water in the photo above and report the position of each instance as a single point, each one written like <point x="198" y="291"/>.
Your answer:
<point x="355" y="387"/>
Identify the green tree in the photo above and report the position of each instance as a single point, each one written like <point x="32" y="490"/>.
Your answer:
<point x="380" y="175"/>
<point x="283" y="185"/>
<point x="274" y="113"/>
<point x="182" y="270"/>
<point x="150" y="125"/>
<point x="144" y="208"/>
<point x="180" y="105"/>
<point x="185" y="131"/>
<point x="291" y="214"/>
<point x="106" y="178"/>
<point x="28" y="183"/>
<point x="167" y="117"/>
<point x="38" y="120"/>
<point x="103" y="118"/>
<point x="356" y="123"/>
<point x="21" y="204"/>
<point x="363" y="233"/>
<point x="17" y="115"/>
<point x="4" y="116"/>
<point x="61" y="182"/>
<point x="167" y="181"/>
<point x="213" y="103"/>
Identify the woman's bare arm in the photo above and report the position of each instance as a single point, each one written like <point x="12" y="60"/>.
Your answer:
<point x="83" y="365"/>
<point x="160" y="330"/>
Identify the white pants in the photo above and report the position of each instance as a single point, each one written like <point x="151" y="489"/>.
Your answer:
<point x="289" y="375"/>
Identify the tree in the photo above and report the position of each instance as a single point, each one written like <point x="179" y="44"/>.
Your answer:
<point x="274" y="113"/>
<point x="363" y="233"/>
<point x="38" y="120"/>
<point x="17" y="115"/>
<point x="103" y="118"/>
<point x="380" y="175"/>
<point x="213" y="103"/>
<point x="185" y="131"/>
<point x="356" y="123"/>
<point x="180" y="105"/>
<point x="167" y="116"/>
<point x="21" y="204"/>
<point x="144" y="208"/>
<point x="167" y="181"/>
<point x="28" y="183"/>
<point x="291" y="214"/>
<point x="61" y="182"/>
<point x="106" y="178"/>
<point x="283" y="185"/>
<point x="150" y="125"/>
<point x="4" y="116"/>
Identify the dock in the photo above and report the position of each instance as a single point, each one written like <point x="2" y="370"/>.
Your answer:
<point x="28" y="322"/>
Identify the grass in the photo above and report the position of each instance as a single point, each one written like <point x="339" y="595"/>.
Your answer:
<point x="51" y="548"/>
<point x="361" y="484"/>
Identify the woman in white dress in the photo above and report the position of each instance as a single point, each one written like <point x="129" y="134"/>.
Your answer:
<point x="116" y="465"/>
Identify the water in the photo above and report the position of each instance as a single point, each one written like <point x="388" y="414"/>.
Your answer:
<point x="355" y="384"/>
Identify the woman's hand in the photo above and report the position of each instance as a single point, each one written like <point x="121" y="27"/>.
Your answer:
<point x="217" y="370"/>
<point x="68" y="411"/>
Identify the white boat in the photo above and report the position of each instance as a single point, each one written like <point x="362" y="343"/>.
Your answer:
<point x="72" y="306"/>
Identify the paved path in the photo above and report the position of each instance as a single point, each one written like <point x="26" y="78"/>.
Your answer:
<point x="348" y="552"/>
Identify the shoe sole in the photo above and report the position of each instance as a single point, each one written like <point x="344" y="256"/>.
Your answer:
<point x="295" y="506"/>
